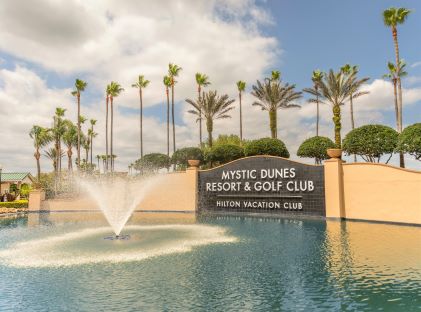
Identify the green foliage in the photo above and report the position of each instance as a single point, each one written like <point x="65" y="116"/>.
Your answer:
<point x="315" y="147"/>
<point x="371" y="142"/>
<point x="223" y="153"/>
<point x="181" y="156"/>
<point x="224" y="139"/>
<point x="152" y="162"/>
<point x="25" y="189"/>
<point x="15" y="204"/>
<point x="410" y="141"/>
<point x="266" y="146"/>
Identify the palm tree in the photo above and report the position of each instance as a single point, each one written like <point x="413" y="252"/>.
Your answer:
<point x="98" y="157"/>
<point x="316" y="77"/>
<point x="80" y="86"/>
<point x="86" y="144"/>
<point x="52" y="154"/>
<point x="274" y="95"/>
<point x="275" y="75"/>
<point x="167" y="84"/>
<point x="392" y="17"/>
<point x="41" y="137"/>
<point x="202" y="80"/>
<point x="335" y="88"/>
<point x="210" y="108"/>
<point x="92" y="134"/>
<point x="393" y="75"/>
<point x="70" y="140"/>
<point x="241" y="86"/>
<point x="348" y="70"/>
<point x="173" y="71"/>
<point x="107" y="99"/>
<point x="141" y="84"/>
<point x="115" y="90"/>
<point x="58" y="131"/>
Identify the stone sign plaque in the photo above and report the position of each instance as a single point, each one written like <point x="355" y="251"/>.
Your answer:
<point x="263" y="184"/>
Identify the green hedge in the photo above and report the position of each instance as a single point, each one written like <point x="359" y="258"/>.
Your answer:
<point x="266" y="146"/>
<point x="224" y="153"/>
<point x="14" y="204"/>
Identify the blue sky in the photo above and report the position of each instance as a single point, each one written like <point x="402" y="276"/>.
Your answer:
<point x="46" y="47"/>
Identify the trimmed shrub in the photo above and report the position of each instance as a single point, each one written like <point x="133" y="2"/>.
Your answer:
<point x="266" y="146"/>
<point x="15" y="204"/>
<point x="371" y="142"/>
<point x="152" y="162"/>
<point x="316" y="147"/>
<point x="182" y="155"/>
<point x="224" y="139"/>
<point x="224" y="153"/>
<point x="410" y="141"/>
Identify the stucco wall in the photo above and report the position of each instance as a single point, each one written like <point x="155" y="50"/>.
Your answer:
<point x="383" y="193"/>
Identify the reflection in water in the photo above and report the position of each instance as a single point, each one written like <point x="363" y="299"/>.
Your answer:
<point x="274" y="265"/>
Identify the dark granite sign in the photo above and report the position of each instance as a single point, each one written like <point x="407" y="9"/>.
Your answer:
<point x="263" y="184"/>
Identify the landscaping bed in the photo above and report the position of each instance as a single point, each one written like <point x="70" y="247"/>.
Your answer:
<point x="14" y="206"/>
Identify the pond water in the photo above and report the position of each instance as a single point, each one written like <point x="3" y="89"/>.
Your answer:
<point x="180" y="262"/>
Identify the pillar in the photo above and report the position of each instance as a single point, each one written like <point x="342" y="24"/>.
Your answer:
<point x="334" y="188"/>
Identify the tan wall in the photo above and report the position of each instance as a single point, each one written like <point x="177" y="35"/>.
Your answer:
<point x="175" y="192"/>
<point x="373" y="192"/>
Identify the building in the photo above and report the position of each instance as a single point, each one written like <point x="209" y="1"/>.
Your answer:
<point x="17" y="178"/>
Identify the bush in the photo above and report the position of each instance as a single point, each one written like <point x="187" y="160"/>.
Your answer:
<point x="181" y="156"/>
<point x="316" y="147"/>
<point x="371" y="142"/>
<point x="25" y="189"/>
<point x="152" y="162"/>
<point x="410" y="141"/>
<point x="15" y="204"/>
<point x="224" y="153"/>
<point x="266" y="146"/>
<point x="224" y="139"/>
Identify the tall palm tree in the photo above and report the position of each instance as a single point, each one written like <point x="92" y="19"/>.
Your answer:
<point x="86" y="144"/>
<point x="41" y="137"/>
<point x="115" y="90"/>
<point x="51" y="154"/>
<point x="335" y="88"/>
<point x="107" y="100"/>
<point x="80" y="86"/>
<point x="274" y="95"/>
<point x="70" y="140"/>
<point x="210" y="108"/>
<point x="58" y="131"/>
<point x="275" y="75"/>
<point x="202" y="80"/>
<point x="241" y="86"/>
<point x="392" y="17"/>
<point x="393" y="75"/>
<point x="316" y="77"/>
<point x="173" y="71"/>
<point x="141" y="83"/>
<point x="167" y="84"/>
<point x="92" y="134"/>
<point x="347" y="69"/>
<point x="98" y="157"/>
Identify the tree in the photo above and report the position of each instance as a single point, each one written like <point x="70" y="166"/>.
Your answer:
<point x="224" y="153"/>
<point x="70" y="140"/>
<point x="392" y="17"/>
<point x="80" y="86"/>
<point x="86" y="144"/>
<point x="107" y="99"/>
<point x="98" y="157"/>
<point x="316" y="78"/>
<point x="152" y="162"/>
<point x="275" y="75"/>
<point x="141" y="83"/>
<point x="266" y="146"/>
<point x="335" y="88"/>
<point x="173" y="71"/>
<point x="202" y="80"/>
<point x="181" y="156"/>
<point x="92" y="135"/>
<point x="228" y="139"/>
<point x="58" y="131"/>
<point x="315" y="147"/>
<point x="211" y="107"/>
<point x="115" y="91"/>
<point x="371" y="142"/>
<point x="410" y="141"/>
<point x="274" y="95"/>
<point x="167" y="84"/>
<point x="241" y="86"/>
<point x="51" y="154"/>
<point x="41" y="137"/>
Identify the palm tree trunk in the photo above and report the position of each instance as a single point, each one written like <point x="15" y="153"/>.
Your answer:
<point x="99" y="169"/>
<point x="173" y="119"/>
<point x="337" y="122"/>
<point x="141" y="123"/>
<point x="37" y="157"/>
<point x="318" y="113"/>
<point x="200" y="119"/>
<point x="395" y="94"/>
<point x="111" y="133"/>
<point x="209" y="126"/>
<point x="395" y="41"/>
<point x="69" y="159"/>
<point x="92" y="138"/>
<point x="168" y="122"/>
<point x="272" y="124"/>
<point x="78" y="130"/>
<point x="352" y="119"/>
<point x="106" y="135"/>
<point x="241" y="119"/>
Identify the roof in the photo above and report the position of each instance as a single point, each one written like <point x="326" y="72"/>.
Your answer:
<point x="15" y="176"/>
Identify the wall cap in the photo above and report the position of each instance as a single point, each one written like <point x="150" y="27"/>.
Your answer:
<point x="383" y="165"/>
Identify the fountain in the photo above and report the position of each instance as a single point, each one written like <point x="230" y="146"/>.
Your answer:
<point x="118" y="197"/>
